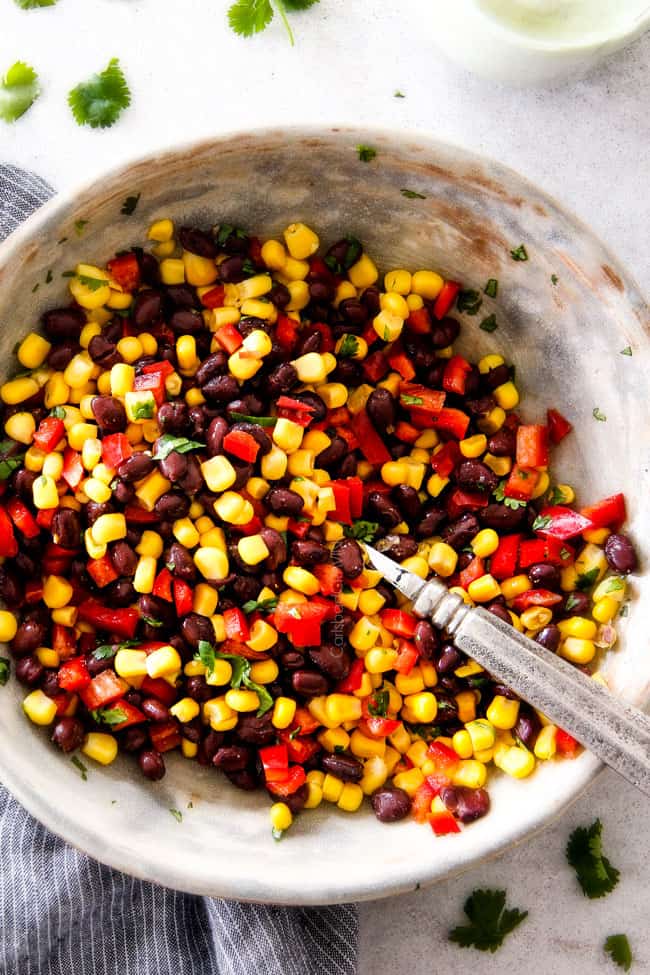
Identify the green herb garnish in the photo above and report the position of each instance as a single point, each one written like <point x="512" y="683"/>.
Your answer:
<point x="109" y="716"/>
<point x="80" y="765"/>
<point x="469" y="301"/>
<point x="19" y="89"/>
<point x="33" y="4"/>
<point x="152" y="622"/>
<point x="58" y="412"/>
<point x="294" y="734"/>
<point x="167" y="443"/>
<point x="618" y="948"/>
<point x="5" y="670"/>
<point x="407" y="400"/>
<point x="241" y="669"/>
<point x="490" y="921"/>
<point x="571" y="602"/>
<point x="144" y="411"/>
<point x="489" y="324"/>
<point x="584" y="852"/>
<point x="513" y="503"/>
<point x="519" y="253"/>
<point x="614" y="584"/>
<point x="363" y="531"/>
<point x="101" y="99"/>
<point x="262" y="421"/>
<point x="542" y="521"/>
<point x="399" y="94"/>
<point x="248" y="17"/>
<point x="556" y="496"/>
<point x="597" y="415"/>
<point x="129" y="205"/>
<point x="554" y="279"/>
<point x="366" y="153"/>
<point x="49" y="277"/>
<point x="412" y="195"/>
<point x="587" y="579"/>
<point x="9" y="464"/>
<point x="79" y="226"/>
<point x="349" y="346"/>
<point x="626" y="351"/>
<point x="260" y="605"/>
<point x="491" y="288"/>
<point x="378" y="704"/>
<point x="177" y="814"/>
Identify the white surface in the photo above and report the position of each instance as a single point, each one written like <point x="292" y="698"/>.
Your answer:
<point x="586" y="144"/>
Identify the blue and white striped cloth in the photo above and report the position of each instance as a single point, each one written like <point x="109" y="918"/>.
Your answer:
<point x="62" y="913"/>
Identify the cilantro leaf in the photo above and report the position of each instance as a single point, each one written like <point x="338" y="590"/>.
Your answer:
<point x="571" y="602"/>
<point x="206" y="655"/>
<point x="109" y="716"/>
<point x="378" y="704"/>
<point x="399" y="94"/>
<point x="626" y="351"/>
<point x="412" y="195"/>
<point x="519" y="253"/>
<point x="499" y="494"/>
<point x="143" y="411"/>
<point x="262" y="421"/>
<point x="542" y="521"/>
<point x="349" y="346"/>
<point x="618" y="948"/>
<point x="150" y="621"/>
<point x="129" y="205"/>
<point x="556" y="496"/>
<point x="19" y="89"/>
<point x="554" y="279"/>
<point x="101" y="99"/>
<point x="177" y="814"/>
<point x="597" y="415"/>
<point x="587" y="579"/>
<point x="366" y="153"/>
<point x="248" y="17"/>
<point x="266" y="701"/>
<point x="491" y="288"/>
<point x="614" y="584"/>
<point x="363" y="531"/>
<point x="489" y="324"/>
<point x="5" y="670"/>
<point x="79" y="226"/>
<point x="241" y="669"/>
<point x="468" y="301"/>
<point x="261" y="605"/>
<point x="80" y="765"/>
<point x="9" y="464"/>
<point x="167" y="443"/>
<point x="490" y="921"/>
<point x="299" y="4"/>
<point x="584" y="853"/>
<point x="33" y="4"/>
<point x="407" y="400"/>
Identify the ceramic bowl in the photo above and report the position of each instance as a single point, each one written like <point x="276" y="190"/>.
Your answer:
<point x="565" y="340"/>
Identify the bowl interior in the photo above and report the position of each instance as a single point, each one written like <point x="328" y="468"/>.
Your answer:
<point x="565" y="340"/>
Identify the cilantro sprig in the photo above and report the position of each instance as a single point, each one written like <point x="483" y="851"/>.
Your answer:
<point x="19" y="89"/>
<point x="248" y="17"/>
<point x="167" y="443"/>
<point x="241" y="671"/>
<point x="109" y="716"/>
<point x="490" y="921"/>
<point x="33" y="4"/>
<point x="99" y="101"/>
<point x="618" y="948"/>
<point x="363" y="531"/>
<point x="260" y="605"/>
<point x="8" y="464"/>
<point x="499" y="494"/>
<point x="366" y="153"/>
<point x="584" y="852"/>
<point x="5" y="670"/>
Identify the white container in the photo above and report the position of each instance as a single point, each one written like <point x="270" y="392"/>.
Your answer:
<point x="512" y="41"/>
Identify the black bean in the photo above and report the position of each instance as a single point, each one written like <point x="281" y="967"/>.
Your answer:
<point x="173" y="418"/>
<point x="279" y="295"/>
<point x="209" y="747"/>
<point x="397" y="547"/>
<point x="331" y="455"/>
<point x="172" y="506"/>
<point x="380" y="407"/>
<point x="220" y="389"/>
<point x="430" y="522"/>
<point x="95" y="665"/>
<point x="282" y="501"/>
<point x="154" y="709"/>
<point x="347" y="555"/>
<point x="182" y="296"/>
<point x="109" y="414"/>
<point x="449" y="660"/>
<point x="181" y="562"/>
<point x="231" y="271"/>
<point x="185" y="321"/>
<point x="503" y="443"/>
<point x="292" y="660"/>
<point x="497" y="376"/>
<point x="260" y="436"/>
<point x="390" y="804"/>
<point x="309" y="683"/>
<point x="197" y="242"/>
<point x="196" y="629"/>
<point x="122" y="492"/>
<point x="68" y="734"/>
<point x="248" y="780"/>
<point x="196" y="687"/>
<point x="174" y="466"/>
<point x="29" y="670"/>
<point x="95" y="509"/>
<point x="466" y="804"/>
<point x="574" y="604"/>
<point x="543" y="575"/>
<point x="500" y="612"/>
<point x="549" y="637"/>
<point x="120" y="593"/>
<point x="460" y="532"/>
<point x="63" y="323"/>
<point x="426" y="639"/>
<point x="276" y="546"/>
<point x="66" y="528"/>
<point x="29" y="636"/>
<point x="386" y="512"/>
<point x="147" y="308"/>
<point x="296" y="801"/>
<point x="306" y="552"/>
<point x="124" y="559"/>
<point x="22" y="482"/>
<point x="343" y="767"/>
<point x="444" y="333"/>
<point x="408" y="501"/>
<point x="281" y="379"/>
<point x="331" y="660"/>
<point x="61" y="354"/>
<point x="136" y="467"/>
<point x="472" y="475"/>
<point x="527" y="727"/>
<point x="214" y="365"/>
<point x="353" y="311"/>
<point x="232" y="758"/>
<point x="157" y="609"/>
<point x="256" y="731"/>
<point x="152" y="764"/>
<point x="501" y="518"/>
<point x="620" y="554"/>
<point x="134" y="738"/>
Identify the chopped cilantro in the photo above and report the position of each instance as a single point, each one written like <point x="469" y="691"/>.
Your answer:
<point x="19" y="89"/>
<point x="261" y="605"/>
<point x="554" y="279"/>
<point x="129" y="205"/>
<point x="469" y="301"/>
<point x="491" y="288"/>
<point x="152" y="622"/>
<point x="519" y="253"/>
<point x="101" y="99"/>
<point x="49" y="277"/>
<point x="262" y="421"/>
<point x="571" y="602"/>
<point x="109" y="716"/>
<point x="378" y="705"/>
<point x="363" y="531"/>
<point x="144" y="410"/>
<point x="407" y="400"/>
<point x="542" y="521"/>
<point x="624" y="610"/>
<point x="614" y="585"/>
<point x="556" y="496"/>
<point x="78" y="764"/>
<point x="412" y="195"/>
<point x="489" y="324"/>
<point x="241" y="670"/>
<point x="399" y="94"/>
<point x="34" y="4"/>
<point x="79" y="226"/>
<point x="349" y="346"/>
<point x="5" y="670"/>
<point x="177" y="814"/>
<point x="58" y="412"/>
<point x="294" y="734"/>
<point x="618" y="948"/>
<point x="9" y="464"/>
<point x="597" y="415"/>
<point x="490" y="921"/>
<point x="626" y="351"/>
<point x="366" y="153"/>
<point x="565" y="554"/>
<point x="167" y="443"/>
<point x="584" y="853"/>
<point x="587" y="579"/>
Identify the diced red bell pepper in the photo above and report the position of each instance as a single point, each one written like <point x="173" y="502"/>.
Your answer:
<point x="407" y="657"/>
<point x="454" y="378"/>
<point x="102" y="571"/>
<point x="183" y="597"/>
<point x="122" y="622"/>
<point x="352" y="682"/>
<point x="33" y="592"/>
<point x="132" y="715"/>
<point x="63" y="641"/>
<point x="342" y="511"/>
<point x="214" y="298"/>
<point x="73" y="675"/>
<point x="164" y="367"/>
<point x="298" y="528"/>
<point x="374" y="726"/>
<point x="521" y="483"/>
<point x="355" y="486"/>
<point x="558" y="426"/>
<point x="566" y="744"/>
<point x="126" y="271"/>
<point x="532" y="445"/>
<point x="437" y="782"/>
<point x="49" y="433"/>
<point x="443" y="823"/>
<point x="286" y="332"/>
<point x="62" y="702"/>
<point x="162" y="586"/>
<point x="165" y="735"/>
<point x="419" y="321"/>
<point x="301" y="622"/>
<point x="564" y="523"/>
<point x="255" y="251"/>
<point x="115" y="449"/>
<point x="446" y="298"/>
<point x="608" y="513"/>
<point x="299" y="749"/>
<point x="229" y="338"/>
<point x="375" y="366"/>
<point x="338" y="417"/>
<point x="103" y="689"/>
<point x="241" y="444"/>
<point x="8" y="543"/>
<point x="461" y="501"/>
<point x="400" y="362"/>
<point x="474" y="570"/>
<point x="444" y="757"/>
<point x="275" y="762"/>
<point x="330" y="578"/>
<point x="252" y="527"/>
<point x="296" y="778"/>
<point x="503" y="563"/>
<point x="452" y="421"/>
<point x="73" y="470"/>
<point x="444" y="460"/>
<point x="304" y="723"/>
<point x="154" y="382"/>
<point x="406" y="432"/>
<point x="135" y="515"/>
<point x="157" y="687"/>
<point x="399" y="622"/>
<point x="236" y="625"/>
<point x="45" y="517"/>
<point x="415" y="396"/>
<point x="532" y="551"/>
<point x="371" y="445"/>
<point x="536" y="597"/>
<point x="349" y="437"/>
<point x="22" y="518"/>
<point x="421" y="803"/>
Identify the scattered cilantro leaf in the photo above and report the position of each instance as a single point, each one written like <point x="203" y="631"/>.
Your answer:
<point x="626" y="351"/>
<point x="299" y="4"/>
<point x="78" y="764"/>
<point x="363" y="531"/>
<point x="79" y="226"/>
<point x="294" y="734"/>
<point x="491" y="288"/>
<point x="554" y="279"/>
<point x="167" y="443"/>
<point x="366" y="153"/>
<point x="489" y="324"/>
<point x="565" y="554"/>
<point x="584" y="852"/>
<point x="597" y="415"/>
<point x="93" y="284"/>
<point x="542" y="521"/>
<point x="407" y="400"/>
<point x="614" y="584"/>
<point x="35" y="288"/>
<point x="618" y="948"/>
<point x="109" y="716"/>
<point x="499" y="494"/>
<point x="101" y="99"/>
<point x="412" y="195"/>
<point x="144" y="411"/>
<point x="19" y="89"/>
<point x="468" y="301"/>
<point x="33" y="4"/>
<point x="227" y="230"/>
<point x="58" y="412"/>
<point x="129" y="205"/>
<point x="206" y="655"/>
<point x="556" y="496"/>
<point x="490" y="921"/>
<point x="248" y="17"/>
<point x="150" y="621"/>
<point x="399" y="94"/>
<point x="277" y="834"/>
<point x="378" y="704"/>
<point x="587" y="579"/>
<point x="9" y="464"/>
<point x="352" y="254"/>
<point x="5" y="670"/>
<point x="624" y="610"/>
<point x="571" y="602"/>
<point x="177" y="814"/>
<point x="49" y="277"/>
<point x="262" y="421"/>
<point x="265" y="699"/>
<point x="519" y="253"/>
<point x="425" y="731"/>
<point x="349" y="346"/>
<point x="260" y="605"/>
<point x="241" y="669"/>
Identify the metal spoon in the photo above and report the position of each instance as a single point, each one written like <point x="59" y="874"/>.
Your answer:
<point x="616" y="732"/>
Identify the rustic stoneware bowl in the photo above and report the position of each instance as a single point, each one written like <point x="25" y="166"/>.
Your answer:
<point x="566" y="341"/>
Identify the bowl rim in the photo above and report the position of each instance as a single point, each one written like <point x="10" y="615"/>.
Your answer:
<point x="281" y="889"/>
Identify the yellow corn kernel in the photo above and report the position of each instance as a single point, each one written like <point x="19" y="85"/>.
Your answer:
<point x="578" y="626"/>
<point x="185" y="710"/>
<point x="485" y="589"/>
<point x="94" y="550"/>
<point x="163" y="662"/>
<point x="366" y="686"/>
<point x="88" y="333"/>
<point x="515" y="760"/>
<point x="254" y="287"/>
<point x="485" y="543"/>
<point x="219" y="716"/>
<point x="220" y="674"/>
<point x="8" y="626"/>
<point x="281" y="817"/>
<point x="262" y="636"/>
<point x="380" y="660"/>
<point x="122" y="379"/>
<point x="514" y="586"/>
<point x="364" y="634"/>
<point x="340" y="708"/>
<point x="311" y="368"/>
<point x="53" y="466"/>
<point x="185" y="533"/>
<point x="409" y="781"/>
<point x="492" y="421"/>
<point x="375" y="773"/>
<point x="473" y="446"/>
<point x="199" y="271"/>
<point x="79" y="370"/>
<point x="273" y="465"/>
<point x="536" y="618"/>
<point x="506" y="396"/>
<point x="334" y="739"/>
<point x="333" y="395"/>
<point x="363" y="747"/>
<point x="80" y="433"/>
<point x="206" y="599"/>
<point x="568" y="578"/>
<point x="591" y="560"/>
<point x="394" y="303"/>
<point x="148" y="343"/>
<point x="218" y="473"/>
<point x="363" y="273"/>
<point x="394" y="472"/>
<point x="21" y="427"/>
<point x="545" y="744"/>
<point x="274" y="254"/>
<point x="414" y="302"/>
<point x="351" y="797"/>
<point x="152" y="488"/>
<point x="422" y="705"/>
<point x="398" y="281"/>
<point x="189" y="748"/>
<point x="332" y="788"/>
<point x="470" y="773"/>
<point x="466" y="703"/>
<point x="18" y="390"/>
<point x="161" y="230"/>
<point x="299" y="294"/>
<point x="502" y="713"/>
<point x="57" y="592"/>
<point x="284" y="710"/>
<point x="47" y="657"/>
<point x="578" y="651"/>
<point x="33" y="351"/>
<point x="130" y="663"/>
<point x="314" y="795"/>
<point x="88" y="296"/>
<point x="287" y="435"/>
<point x="211" y="562"/>
<point x="489" y="362"/>
<point x="370" y="602"/>
<point x="145" y="574"/>
<point x="242" y="701"/>
<point x="388" y="325"/>
<point x="151" y="544"/>
<point x="410" y="684"/>
<point x="102" y="748"/>
<point x="436" y="485"/>
<point x="172" y="271"/>
<point x="501" y="466"/>
<point x="264" y="671"/>
<point x="597" y="535"/>
<point x="542" y="485"/>
<point x="109" y="528"/>
<point x="301" y="241"/>
<point x="400" y="740"/>
<point x="140" y="406"/>
<point x="57" y="391"/>
<point x="44" y="493"/>
<point x="39" y="708"/>
<point x="301" y="463"/>
<point x="605" y="609"/>
<point x="301" y="580"/>
<point x="252" y="549"/>
<point x="443" y="559"/>
<point x="469" y="669"/>
<point x="427" y="284"/>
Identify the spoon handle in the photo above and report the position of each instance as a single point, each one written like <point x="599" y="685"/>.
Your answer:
<point x="614" y="731"/>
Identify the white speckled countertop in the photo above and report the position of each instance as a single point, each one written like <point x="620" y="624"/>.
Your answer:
<point x="586" y="143"/>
